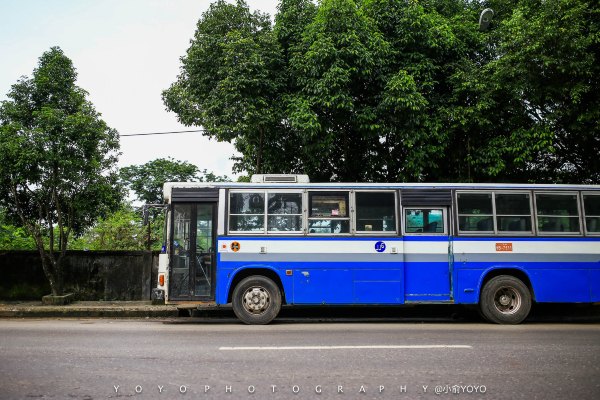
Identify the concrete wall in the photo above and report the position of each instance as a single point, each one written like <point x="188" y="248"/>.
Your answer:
<point x="92" y="275"/>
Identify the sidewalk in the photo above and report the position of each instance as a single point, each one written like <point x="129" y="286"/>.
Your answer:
<point x="87" y="309"/>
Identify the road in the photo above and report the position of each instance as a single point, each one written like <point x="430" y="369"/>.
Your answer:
<point x="222" y="359"/>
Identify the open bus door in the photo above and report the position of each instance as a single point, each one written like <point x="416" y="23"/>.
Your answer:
<point x="192" y="249"/>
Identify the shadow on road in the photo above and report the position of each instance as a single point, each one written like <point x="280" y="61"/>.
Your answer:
<point x="541" y="313"/>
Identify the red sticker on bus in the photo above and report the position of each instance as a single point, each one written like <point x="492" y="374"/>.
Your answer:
<point x="504" y="247"/>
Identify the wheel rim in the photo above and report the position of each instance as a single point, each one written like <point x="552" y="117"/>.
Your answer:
<point x="507" y="300"/>
<point x="256" y="300"/>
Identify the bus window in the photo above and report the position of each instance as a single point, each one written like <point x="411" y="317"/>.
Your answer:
<point x="557" y="213"/>
<point x="328" y="213"/>
<point x="475" y="212"/>
<point x="247" y="212"/>
<point x="284" y="212"/>
<point x="513" y="212"/>
<point x="591" y="205"/>
<point x="424" y="220"/>
<point x="376" y="211"/>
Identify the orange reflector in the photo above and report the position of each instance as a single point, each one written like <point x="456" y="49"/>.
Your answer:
<point x="161" y="279"/>
<point x="288" y="272"/>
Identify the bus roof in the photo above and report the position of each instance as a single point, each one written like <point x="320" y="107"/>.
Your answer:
<point x="169" y="186"/>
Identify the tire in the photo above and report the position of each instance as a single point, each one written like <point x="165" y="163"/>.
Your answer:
<point x="505" y="300"/>
<point x="256" y="300"/>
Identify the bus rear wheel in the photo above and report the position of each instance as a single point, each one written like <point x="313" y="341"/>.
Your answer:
<point x="505" y="300"/>
<point x="256" y="300"/>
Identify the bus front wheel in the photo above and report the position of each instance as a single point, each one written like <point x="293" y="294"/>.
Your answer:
<point x="256" y="300"/>
<point x="505" y="300"/>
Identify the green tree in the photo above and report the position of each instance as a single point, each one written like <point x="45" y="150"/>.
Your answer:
<point x="147" y="180"/>
<point x="231" y="83"/>
<point x="396" y="90"/>
<point x="58" y="160"/>
<point x="13" y="237"/>
<point x="121" y="230"/>
<point x="549" y="65"/>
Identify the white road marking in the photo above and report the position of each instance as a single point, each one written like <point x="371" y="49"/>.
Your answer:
<point x="417" y="346"/>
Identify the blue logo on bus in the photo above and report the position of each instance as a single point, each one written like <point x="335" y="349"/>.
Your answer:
<point x="380" y="247"/>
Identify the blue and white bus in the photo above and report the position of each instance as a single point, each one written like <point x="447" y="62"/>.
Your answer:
<point x="281" y="240"/>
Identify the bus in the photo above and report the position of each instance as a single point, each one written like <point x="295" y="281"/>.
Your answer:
<point x="282" y="240"/>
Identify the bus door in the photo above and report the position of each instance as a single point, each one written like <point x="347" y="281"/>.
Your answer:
<point x="192" y="267"/>
<point x="427" y="267"/>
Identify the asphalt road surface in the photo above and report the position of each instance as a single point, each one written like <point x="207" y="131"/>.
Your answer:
<point x="297" y="359"/>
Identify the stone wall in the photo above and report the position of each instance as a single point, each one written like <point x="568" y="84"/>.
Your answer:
<point x="91" y="275"/>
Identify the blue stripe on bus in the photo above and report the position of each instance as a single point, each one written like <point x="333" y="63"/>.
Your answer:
<point x="424" y="238"/>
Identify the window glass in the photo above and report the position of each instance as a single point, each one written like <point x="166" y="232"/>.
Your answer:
<point x="284" y="212"/>
<point x="591" y="204"/>
<point x="285" y="203"/>
<point x="513" y="224"/>
<point x="475" y="212"/>
<point x="247" y="223"/>
<point x="423" y="220"/>
<point x="513" y="212"/>
<point x="328" y="226"/>
<point x="328" y="204"/>
<point x="592" y="224"/>
<point x="476" y="223"/>
<point x="556" y="204"/>
<point x="513" y="204"/>
<point x="375" y="211"/>
<point x="557" y="213"/>
<point x="246" y="212"/>
<point x="475" y="203"/>
<point x="247" y="203"/>
<point x="328" y="213"/>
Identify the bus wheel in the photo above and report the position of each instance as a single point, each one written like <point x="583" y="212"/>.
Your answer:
<point x="505" y="300"/>
<point x="256" y="300"/>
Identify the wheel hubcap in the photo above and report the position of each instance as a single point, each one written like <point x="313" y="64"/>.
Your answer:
<point x="256" y="300"/>
<point x="507" y="300"/>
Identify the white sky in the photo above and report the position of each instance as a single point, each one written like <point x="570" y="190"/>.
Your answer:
<point x="126" y="53"/>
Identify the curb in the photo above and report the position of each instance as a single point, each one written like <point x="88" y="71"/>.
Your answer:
<point x="25" y="310"/>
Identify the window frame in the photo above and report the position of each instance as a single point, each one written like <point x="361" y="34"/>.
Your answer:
<point x="532" y="210"/>
<point x="307" y="212"/>
<point x="354" y="214"/>
<point x="493" y="215"/>
<point x="578" y="200"/>
<point x="445" y="212"/>
<point x="302" y="209"/>
<point x="265" y="230"/>
<point x="585" y="215"/>
<point x="229" y="214"/>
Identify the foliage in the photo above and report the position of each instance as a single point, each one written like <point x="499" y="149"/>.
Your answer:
<point x="121" y="230"/>
<point x="231" y="82"/>
<point x="549" y="64"/>
<point x="147" y="180"/>
<point x="58" y="160"/>
<point x="14" y="237"/>
<point x="396" y="90"/>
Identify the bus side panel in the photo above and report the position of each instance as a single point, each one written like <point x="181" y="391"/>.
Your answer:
<point x="348" y="283"/>
<point x="427" y="281"/>
<point x="562" y="283"/>
<point x="322" y="285"/>
<point x="560" y="270"/>
<point x="378" y="286"/>
<point x="595" y="279"/>
<point x="466" y="290"/>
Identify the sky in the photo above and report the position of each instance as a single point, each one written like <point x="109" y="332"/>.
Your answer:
<point x="126" y="53"/>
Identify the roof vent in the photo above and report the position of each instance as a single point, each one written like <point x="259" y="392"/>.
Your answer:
<point x="279" y="178"/>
